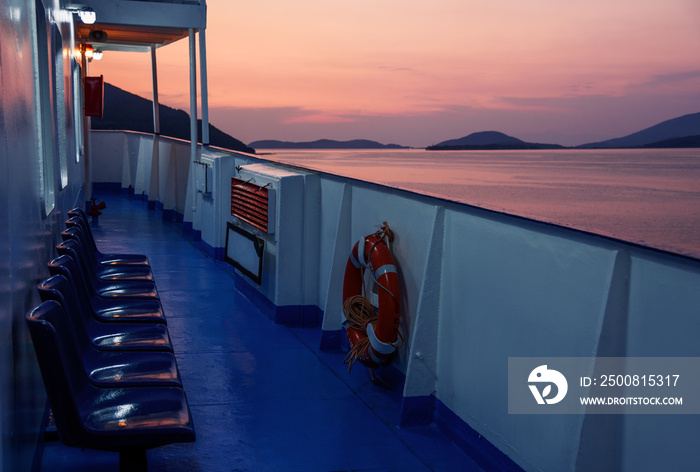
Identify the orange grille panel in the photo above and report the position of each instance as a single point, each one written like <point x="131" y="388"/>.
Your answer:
<point x="249" y="202"/>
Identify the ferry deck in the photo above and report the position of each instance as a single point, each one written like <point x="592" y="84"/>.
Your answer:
<point x="263" y="396"/>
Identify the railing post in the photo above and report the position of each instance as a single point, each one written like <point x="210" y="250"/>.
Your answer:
<point x="204" y="86"/>
<point x="193" y="112"/>
<point x="156" y="105"/>
<point x="86" y="134"/>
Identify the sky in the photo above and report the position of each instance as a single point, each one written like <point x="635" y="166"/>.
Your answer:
<point x="418" y="72"/>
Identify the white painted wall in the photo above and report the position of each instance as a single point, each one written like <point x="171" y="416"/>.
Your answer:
<point x="40" y="179"/>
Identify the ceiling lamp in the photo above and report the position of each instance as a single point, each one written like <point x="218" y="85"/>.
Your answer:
<point x="97" y="54"/>
<point x="87" y="15"/>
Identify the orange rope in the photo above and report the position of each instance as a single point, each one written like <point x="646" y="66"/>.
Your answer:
<point x="359" y="313"/>
<point x="384" y="232"/>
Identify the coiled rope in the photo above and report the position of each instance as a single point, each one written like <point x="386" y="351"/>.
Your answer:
<point x="359" y="313"/>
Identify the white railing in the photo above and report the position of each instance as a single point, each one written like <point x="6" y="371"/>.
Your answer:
<point x="159" y="173"/>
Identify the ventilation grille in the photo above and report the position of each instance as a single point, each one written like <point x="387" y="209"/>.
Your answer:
<point x="249" y="203"/>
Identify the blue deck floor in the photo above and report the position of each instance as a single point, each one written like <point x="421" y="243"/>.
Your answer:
<point x="263" y="396"/>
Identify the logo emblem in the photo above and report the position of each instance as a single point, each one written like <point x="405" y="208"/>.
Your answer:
<point x="548" y="377"/>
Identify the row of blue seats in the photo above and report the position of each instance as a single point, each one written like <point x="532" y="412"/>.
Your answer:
<point x="105" y="353"/>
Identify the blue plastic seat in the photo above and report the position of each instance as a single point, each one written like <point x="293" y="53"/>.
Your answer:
<point x="102" y="258"/>
<point x="102" y="335"/>
<point x="115" y="309"/>
<point x="113" y="368"/>
<point x="111" y="273"/>
<point x="119" y="289"/>
<point x="127" y="420"/>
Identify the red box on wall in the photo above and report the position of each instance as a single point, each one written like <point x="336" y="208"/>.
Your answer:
<point x="94" y="96"/>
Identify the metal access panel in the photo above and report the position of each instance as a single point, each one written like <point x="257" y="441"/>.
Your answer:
<point x="203" y="177"/>
<point x="244" y="251"/>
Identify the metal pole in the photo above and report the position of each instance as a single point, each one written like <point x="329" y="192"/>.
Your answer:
<point x="193" y="114"/>
<point x="193" y="94"/>
<point x="204" y="87"/>
<point x="156" y="105"/>
<point x="86" y="133"/>
<point x="154" y="187"/>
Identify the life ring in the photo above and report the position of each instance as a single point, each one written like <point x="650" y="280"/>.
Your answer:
<point x="372" y="252"/>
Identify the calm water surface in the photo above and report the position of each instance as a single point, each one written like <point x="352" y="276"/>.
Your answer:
<point x="650" y="197"/>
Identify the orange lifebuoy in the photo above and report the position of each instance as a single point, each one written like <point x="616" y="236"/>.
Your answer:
<point x="373" y="253"/>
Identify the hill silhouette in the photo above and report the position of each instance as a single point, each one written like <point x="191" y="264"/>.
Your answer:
<point x="487" y="140"/>
<point x="125" y="111"/>
<point x="681" y="127"/>
<point x="684" y="142"/>
<point x="681" y="132"/>
<point x="324" y="144"/>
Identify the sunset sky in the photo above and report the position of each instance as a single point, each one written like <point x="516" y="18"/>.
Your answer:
<point x="417" y="72"/>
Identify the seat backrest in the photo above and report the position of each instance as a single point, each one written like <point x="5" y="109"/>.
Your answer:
<point x="66" y="266"/>
<point x="73" y="249"/>
<point x="77" y="222"/>
<point x="62" y="373"/>
<point x="78" y="212"/>
<point x="73" y="225"/>
<point x="76" y="233"/>
<point x="58" y="288"/>
<point x="66" y="330"/>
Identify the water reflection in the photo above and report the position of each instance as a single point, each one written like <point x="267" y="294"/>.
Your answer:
<point x="649" y="196"/>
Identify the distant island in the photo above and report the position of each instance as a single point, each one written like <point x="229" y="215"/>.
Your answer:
<point x="681" y="132"/>
<point x="125" y="111"/>
<point x="324" y="144"/>
<point x="487" y="140"/>
<point x="678" y="132"/>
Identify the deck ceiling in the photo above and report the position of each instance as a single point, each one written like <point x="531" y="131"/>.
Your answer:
<point x="138" y="25"/>
<point x="130" y="38"/>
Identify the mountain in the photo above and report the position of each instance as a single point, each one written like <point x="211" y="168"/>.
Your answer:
<point x="681" y="127"/>
<point x="486" y="140"/>
<point x="324" y="144"/>
<point x="684" y="142"/>
<point x="483" y="138"/>
<point x="124" y="110"/>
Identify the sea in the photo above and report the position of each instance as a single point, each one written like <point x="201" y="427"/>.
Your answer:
<point x="649" y="197"/>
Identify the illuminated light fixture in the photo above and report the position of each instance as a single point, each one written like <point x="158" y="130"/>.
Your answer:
<point x="89" y="52"/>
<point x="97" y="54"/>
<point x="87" y="15"/>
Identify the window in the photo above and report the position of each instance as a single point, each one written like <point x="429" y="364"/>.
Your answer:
<point x="77" y="111"/>
<point x="42" y="107"/>
<point x="61" y="56"/>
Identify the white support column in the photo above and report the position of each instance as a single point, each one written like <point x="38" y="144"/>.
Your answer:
<point x="156" y="104"/>
<point x="154" y="187"/>
<point x="193" y="94"/>
<point x="86" y="134"/>
<point x="193" y="112"/>
<point x="203" y="86"/>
